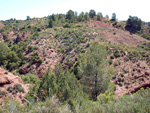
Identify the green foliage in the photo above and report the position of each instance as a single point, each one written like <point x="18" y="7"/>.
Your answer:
<point x="110" y="61"/>
<point x="113" y="17"/>
<point x="99" y="16"/>
<point x="18" y="88"/>
<point x="30" y="49"/>
<point x="48" y="86"/>
<point x="10" y="89"/>
<point x="13" y="57"/>
<point x="3" y="52"/>
<point x="28" y="18"/>
<point x="70" y="16"/>
<point x="63" y="90"/>
<point x="2" y="93"/>
<point x="92" y="13"/>
<point x="92" y="68"/>
<point x="31" y="79"/>
<point x="12" y="61"/>
<point x="86" y="16"/>
<point x="107" y="16"/>
<point x="35" y="58"/>
<point x="67" y="25"/>
<point x="134" y="24"/>
<point x="51" y="23"/>
<point x="106" y="97"/>
<point x="117" y="54"/>
<point x="53" y="17"/>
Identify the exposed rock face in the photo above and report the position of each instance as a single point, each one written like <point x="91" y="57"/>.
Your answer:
<point x="21" y="37"/>
<point x="7" y="81"/>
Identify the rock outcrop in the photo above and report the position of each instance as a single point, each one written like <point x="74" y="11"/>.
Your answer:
<point x="12" y="86"/>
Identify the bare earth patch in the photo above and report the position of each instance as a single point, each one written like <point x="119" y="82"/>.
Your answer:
<point x="112" y="34"/>
<point x="131" y="77"/>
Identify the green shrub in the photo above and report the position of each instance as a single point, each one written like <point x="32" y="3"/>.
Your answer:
<point x="10" y="89"/>
<point x="126" y="59"/>
<point x="3" y="52"/>
<point x="30" y="49"/>
<point x="40" y="61"/>
<point x="2" y="93"/>
<point x="67" y="25"/>
<point x="110" y="61"/>
<point x="19" y="88"/>
<point x="122" y="75"/>
<point x="106" y="97"/>
<point x="117" y="54"/>
<point x="112" y="57"/>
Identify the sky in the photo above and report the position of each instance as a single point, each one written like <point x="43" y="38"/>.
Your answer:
<point x="20" y="9"/>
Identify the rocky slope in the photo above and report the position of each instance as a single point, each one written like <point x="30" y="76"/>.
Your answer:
<point x="12" y="86"/>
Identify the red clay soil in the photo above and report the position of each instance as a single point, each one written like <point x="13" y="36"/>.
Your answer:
<point x="49" y="56"/>
<point x="11" y="34"/>
<point x="112" y="34"/>
<point x="135" y="76"/>
<point x="21" y="37"/>
<point x="8" y="79"/>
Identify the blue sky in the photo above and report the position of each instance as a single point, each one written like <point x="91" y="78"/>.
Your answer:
<point x="20" y="9"/>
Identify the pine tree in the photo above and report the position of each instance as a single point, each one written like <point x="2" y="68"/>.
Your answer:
<point x="92" y="68"/>
<point x="92" y="13"/>
<point x="51" y="23"/>
<point x="99" y="16"/>
<point x="48" y="86"/>
<point x="70" y="16"/>
<point x="3" y="52"/>
<point x="113" y="17"/>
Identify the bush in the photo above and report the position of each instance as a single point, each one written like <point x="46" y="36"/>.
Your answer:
<point x="2" y="93"/>
<point x="112" y="56"/>
<point x="39" y="29"/>
<point x="19" y="88"/>
<point x="40" y="61"/>
<point x="117" y="54"/>
<point x="106" y="97"/>
<point x="110" y="61"/>
<point x="3" y="52"/>
<point x="126" y="59"/>
<point x="30" y="49"/>
<point x="67" y="25"/>
<point x="10" y="89"/>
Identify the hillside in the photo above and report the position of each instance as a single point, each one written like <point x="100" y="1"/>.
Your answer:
<point x="67" y="62"/>
<point x="114" y="35"/>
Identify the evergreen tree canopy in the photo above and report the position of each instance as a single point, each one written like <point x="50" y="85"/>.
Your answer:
<point x="93" y="68"/>
<point x="99" y="16"/>
<point x="51" y="23"/>
<point x="3" y="52"/>
<point x="113" y="17"/>
<point x="134" y="24"/>
<point x="28" y="18"/>
<point x="70" y="16"/>
<point x="92" y="13"/>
